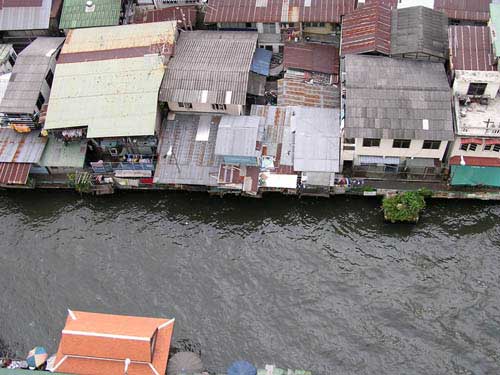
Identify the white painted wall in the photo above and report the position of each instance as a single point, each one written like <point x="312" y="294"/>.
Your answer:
<point x="386" y="149"/>
<point x="455" y="151"/>
<point x="461" y="87"/>
<point x="232" y="109"/>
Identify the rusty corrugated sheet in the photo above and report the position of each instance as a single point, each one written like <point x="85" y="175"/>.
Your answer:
<point x="14" y="173"/>
<point x="471" y="48"/>
<point x="469" y="10"/>
<point x="230" y="11"/>
<point x="20" y="148"/>
<point x="185" y="14"/>
<point x="323" y="58"/>
<point x="367" y="29"/>
<point x="475" y="161"/>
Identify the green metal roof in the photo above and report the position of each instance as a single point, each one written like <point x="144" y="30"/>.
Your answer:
<point x="76" y="14"/>
<point x="57" y="154"/>
<point x="495" y="25"/>
<point x="466" y="175"/>
<point x="5" y="371"/>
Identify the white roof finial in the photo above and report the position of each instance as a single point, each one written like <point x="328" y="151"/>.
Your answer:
<point x="127" y="363"/>
<point x="72" y="314"/>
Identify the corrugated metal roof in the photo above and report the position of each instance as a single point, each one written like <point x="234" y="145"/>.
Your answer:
<point x="192" y="162"/>
<point x="75" y="14"/>
<point x="59" y="154"/>
<point x="469" y="10"/>
<point x="185" y="14"/>
<point x="367" y="29"/>
<point x="28" y="75"/>
<point x="113" y="98"/>
<point x="314" y="57"/>
<point x="390" y="98"/>
<point x="4" y="82"/>
<point x="120" y="37"/>
<point x="5" y="50"/>
<point x="317" y="139"/>
<point x="296" y="89"/>
<point x="261" y="62"/>
<point x="277" y="10"/>
<point x="32" y="17"/>
<point x="209" y="64"/>
<point x="237" y="136"/>
<point x="20" y="148"/>
<point x="471" y="48"/>
<point x="418" y="31"/>
<point x="14" y="173"/>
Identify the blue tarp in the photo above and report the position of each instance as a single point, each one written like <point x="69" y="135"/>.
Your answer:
<point x="242" y="368"/>
<point x="261" y="63"/>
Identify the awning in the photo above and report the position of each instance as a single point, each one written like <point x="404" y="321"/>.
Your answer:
<point x="420" y="163"/>
<point x="476" y="161"/>
<point x="378" y="160"/>
<point x="468" y="141"/>
<point x="492" y="142"/>
<point x="465" y="175"/>
<point x="14" y="173"/>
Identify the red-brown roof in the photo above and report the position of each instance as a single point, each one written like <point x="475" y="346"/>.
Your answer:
<point x="14" y="173"/>
<point x="469" y="10"/>
<point x="94" y="344"/>
<point x="391" y="3"/>
<point x="367" y="29"/>
<point x="185" y="15"/>
<point x="20" y="3"/>
<point x="231" y="11"/>
<point x="475" y="161"/>
<point x="313" y="57"/>
<point x="470" y="48"/>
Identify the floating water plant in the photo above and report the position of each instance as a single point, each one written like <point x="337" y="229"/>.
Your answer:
<point x="404" y="207"/>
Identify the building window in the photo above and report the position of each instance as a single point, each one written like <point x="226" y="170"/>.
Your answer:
<point x="487" y="147"/>
<point x="401" y="143"/>
<point x="40" y="102"/>
<point x="12" y="60"/>
<point x="269" y="48"/>
<point x="269" y="28"/>
<point x="350" y="141"/>
<point x="431" y="145"/>
<point x="219" y="107"/>
<point x="371" y="142"/>
<point x="281" y="49"/>
<point x="185" y="105"/>
<point x="468" y="147"/>
<point x="477" y="89"/>
<point x="49" y="78"/>
<point x="314" y="24"/>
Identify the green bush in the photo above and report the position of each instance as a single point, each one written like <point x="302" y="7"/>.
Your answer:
<point x="404" y="207"/>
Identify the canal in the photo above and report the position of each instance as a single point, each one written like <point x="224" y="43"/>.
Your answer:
<point x="323" y="285"/>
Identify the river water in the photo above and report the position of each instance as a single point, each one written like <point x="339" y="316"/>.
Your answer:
<point x="323" y="285"/>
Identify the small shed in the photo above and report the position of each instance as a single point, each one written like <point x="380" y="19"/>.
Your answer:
<point x="237" y="140"/>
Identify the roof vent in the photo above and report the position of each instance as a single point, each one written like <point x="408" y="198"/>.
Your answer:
<point x="89" y="6"/>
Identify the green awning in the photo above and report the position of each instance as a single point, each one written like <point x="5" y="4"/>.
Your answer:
<point x="465" y="175"/>
<point x="5" y="371"/>
<point x="76" y="14"/>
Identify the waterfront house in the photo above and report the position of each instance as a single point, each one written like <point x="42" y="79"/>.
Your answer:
<point x="465" y="12"/>
<point x="398" y="118"/>
<point x="21" y="21"/>
<point x="419" y="33"/>
<point x="106" y="90"/>
<point x="30" y="83"/>
<point x="311" y="76"/>
<point x="367" y="30"/>
<point x="96" y="344"/>
<point x="78" y="14"/>
<point x="278" y="21"/>
<point x="19" y="156"/>
<point x="210" y="72"/>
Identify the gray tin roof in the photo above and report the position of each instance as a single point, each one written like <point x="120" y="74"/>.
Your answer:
<point x="396" y="99"/>
<point x="237" y="136"/>
<point x="26" y="18"/>
<point x="20" y="148"/>
<point x="208" y="65"/>
<point x="317" y="139"/>
<point x="28" y="75"/>
<point x="419" y="30"/>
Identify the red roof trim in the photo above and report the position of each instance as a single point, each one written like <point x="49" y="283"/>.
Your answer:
<point x="492" y="142"/>
<point x="466" y="141"/>
<point x="14" y="173"/>
<point x="476" y="161"/>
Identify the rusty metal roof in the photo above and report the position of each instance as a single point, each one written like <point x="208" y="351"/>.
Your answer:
<point x="185" y="14"/>
<point x="323" y="58"/>
<point x="14" y="173"/>
<point x="278" y="10"/>
<point x="367" y="29"/>
<point x="469" y="10"/>
<point x="305" y="89"/>
<point x="20" y="148"/>
<point x="471" y="48"/>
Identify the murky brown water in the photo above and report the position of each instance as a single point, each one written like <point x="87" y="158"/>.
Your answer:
<point x="318" y="284"/>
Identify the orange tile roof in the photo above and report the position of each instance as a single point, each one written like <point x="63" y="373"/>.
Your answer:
<point x="95" y="344"/>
